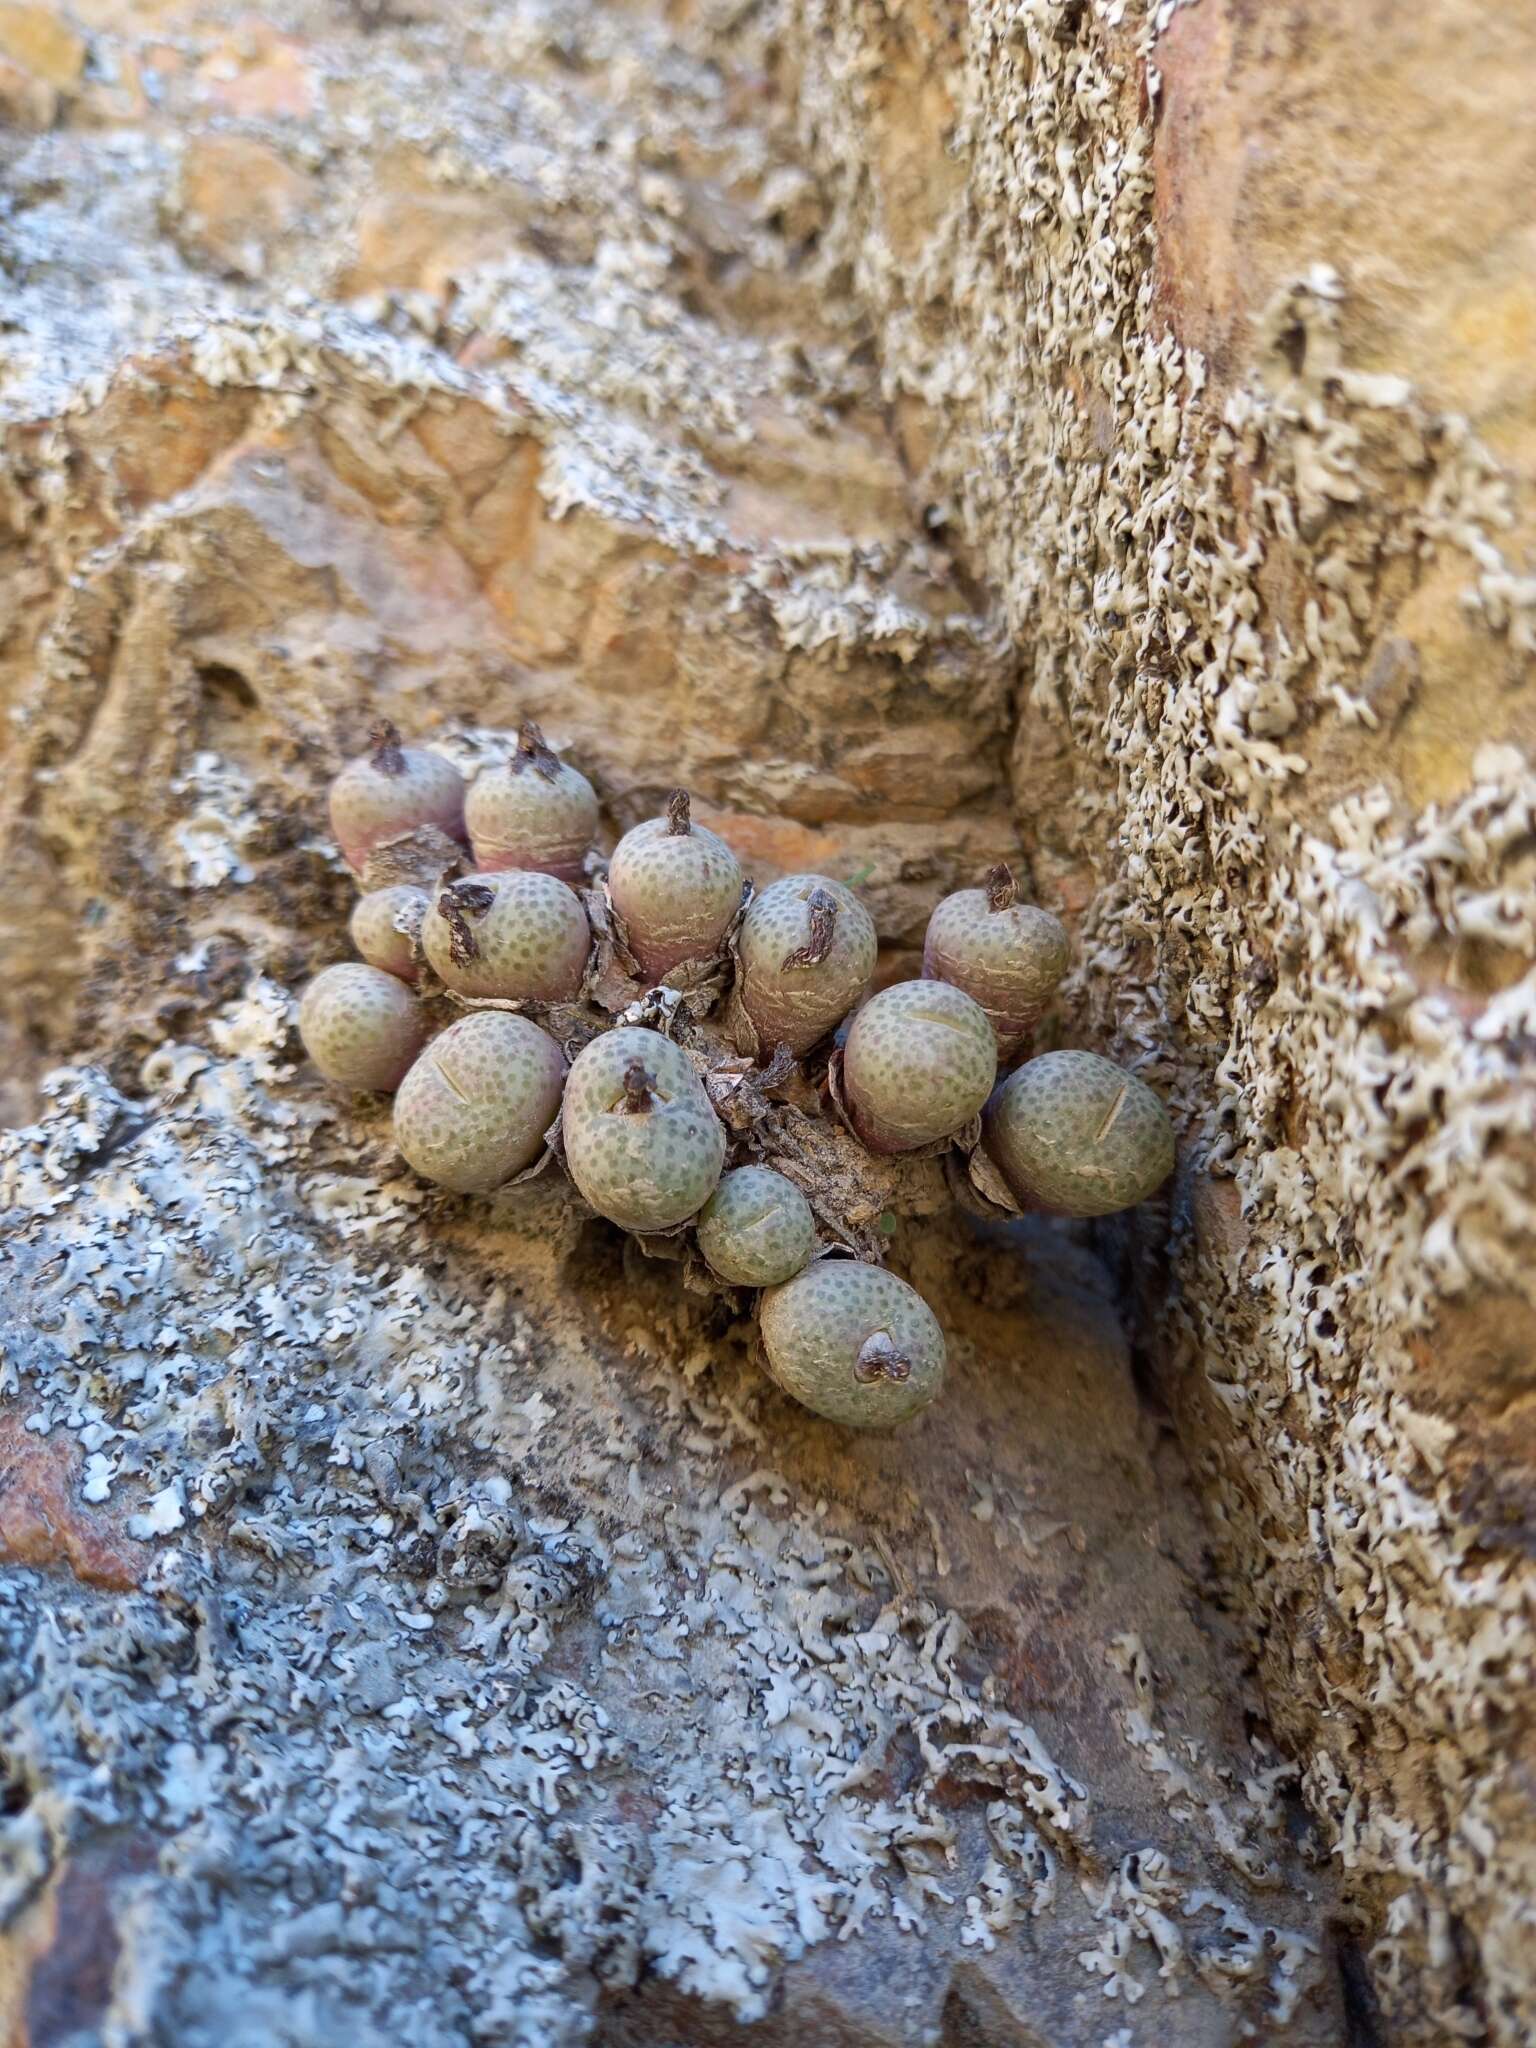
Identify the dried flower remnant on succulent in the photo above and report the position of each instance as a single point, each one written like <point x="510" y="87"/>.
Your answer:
<point x="807" y="948"/>
<point x="519" y="935"/>
<point x="853" y="1343"/>
<point x="643" y="1145"/>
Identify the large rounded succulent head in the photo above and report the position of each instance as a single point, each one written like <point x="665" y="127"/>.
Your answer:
<point x="676" y="886"/>
<point x="642" y="1142"/>
<point x="853" y="1343"/>
<point x="361" y="1026"/>
<point x="807" y="949"/>
<point x="756" y="1229"/>
<point x="520" y="935"/>
<point x="475" y="1107"/>
<point x="385" y="925"/>
<point x="532" y="811"/>
<point x="391" y="790"/>
<point x="1008" y="956"/>
<point x="919" y="1063"/>
<point x="1072" y="1132"/>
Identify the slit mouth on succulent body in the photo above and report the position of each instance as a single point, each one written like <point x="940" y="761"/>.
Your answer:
<point x="1112" y="1114"/>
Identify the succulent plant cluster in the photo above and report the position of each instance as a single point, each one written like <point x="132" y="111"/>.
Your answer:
<point x="527" y="1002"/>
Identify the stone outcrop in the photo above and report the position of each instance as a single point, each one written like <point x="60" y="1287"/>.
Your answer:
<point x="1228" y="312"/>
<point x="927" y="432"/>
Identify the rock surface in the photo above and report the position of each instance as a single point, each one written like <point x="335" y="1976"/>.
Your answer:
<point x="910" y="428"/>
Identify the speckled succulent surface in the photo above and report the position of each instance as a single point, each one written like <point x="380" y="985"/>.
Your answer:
<point x="756" y="1229"/>
<point x="796" y="986"/>
<point x="361" y="1026"/>
<point x="676" y="890"/>
<point x="518" y="934"/>
<point x="918" y="1064"/>
<point x="649" y="1159"/>
<point x="1009" y="956"/>
<point x="853" y="1343"/>
<point x="475" y="1108"/>
<point x="532" y="810"/>
<point x="1073" y="1132"/>
<point x="385" y="926"/>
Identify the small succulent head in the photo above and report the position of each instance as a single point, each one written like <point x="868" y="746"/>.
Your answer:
<point x="676" y="886"/>
<point x="807" y="949"/>
<point x="385" y="925"/>
<point x="519" y="934"/>
<point x="475" y="1107"/>
<point x="853" y="1343"/>
<point x="361" y="1026"/>
<point x="642" y="1142"/>
<point x="919" y="1063"/>
<point x="1008" y="956"/>
<point x="756" y="1229"/>
<point x="532" y="811"/>
<point x="391" y="790"/>
<point x="1074" y="1133"/>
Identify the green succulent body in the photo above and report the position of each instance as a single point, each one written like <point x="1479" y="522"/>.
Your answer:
<point x="807" y="948"/>
<point x="361" y="1026"/>
<point x="853" y="1343"/>
<point x="381" y="926"/>
<point x="475" y="1107"/>
<point x="1073" y="1132"/>
<point x="642" y="1142"/>
<point x="756" y="1229"/>
<point x="676" y="891"/>
<point x="1009" y="959"/>
<point x="919" y="1063"/>
<point x="519" y="934"/>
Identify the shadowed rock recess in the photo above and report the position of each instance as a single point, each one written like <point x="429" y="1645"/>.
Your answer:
<point x="1098" y="436"/>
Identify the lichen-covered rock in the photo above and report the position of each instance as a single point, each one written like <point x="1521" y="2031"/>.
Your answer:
<point x="677" y="886"/>
<point x="361" y="1026"/>
<point x="756" y="1229"/>
<point x="391" y="790"/>
<point x="853" y="1343"/>
<point x="642" y="1143"/>
<point x="520" y="934"/>
<point x="475" y="1107"/>
<point x="532" y="811"/>
<point x="1003" y="398"/>
<point x="807" y="948"/>
<point x="1008" y="956"/>
<point x="919" y="1063"/>
<point x="1072" y="1132"/>
<point x="385" y="927"/>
